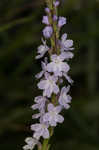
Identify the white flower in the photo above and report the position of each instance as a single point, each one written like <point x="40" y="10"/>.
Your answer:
<point x="64" y="98"/>
<point x="67" y="55"/>
<point x="40" y="103"/>
<point x="42" y="49"/>
<point x="45" y="20"/>
<point x="43" y="65"/>
<point x="48" y="85"/>
<point x="57" y="66"/>
<point x="48" y="31"/>
<point x="61" y="22"/>
<point x="31" y="142"/>
<point x="66" y="44"/>
<point x="68" y="78"/>
<point x="52" y="116"/>
<point x="41" y="129"/>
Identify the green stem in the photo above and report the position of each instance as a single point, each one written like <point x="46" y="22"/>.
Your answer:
<point x="45" y="144"/>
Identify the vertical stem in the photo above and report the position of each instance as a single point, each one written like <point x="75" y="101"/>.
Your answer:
<point x="45" y="144"/>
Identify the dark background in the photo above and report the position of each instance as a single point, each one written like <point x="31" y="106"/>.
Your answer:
<point x="20" y="34"/>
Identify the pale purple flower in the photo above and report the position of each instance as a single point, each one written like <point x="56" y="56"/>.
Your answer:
<point x="66" y="44"/>
<point x="41" y="129"/>
<point x="64" y="98"/>
<point x="45" y="20"/>
<point x="39" y="75"/>
<point x="48" y="85"/>
<point x="39" y="115"/>
<point x="47" y="10"/>
<point x="31" y="142"/>
<point x="40" y="103"/>
<point x="57" y="66"/>
<point x="42" y="49"/>
<point x="53" y="116"/>
<point x="55" y="18"/>
<point x="68" y="78"/>
<point x="56" y="4"/>
<point x="61" y="22"/>
<point x="67" y="55"/>
<point x="47" y="31"/>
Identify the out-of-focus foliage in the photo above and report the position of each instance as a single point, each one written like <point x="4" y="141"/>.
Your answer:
<point x="20" y="33"/>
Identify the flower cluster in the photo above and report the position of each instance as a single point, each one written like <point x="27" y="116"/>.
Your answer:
<point x="55" y="68"/>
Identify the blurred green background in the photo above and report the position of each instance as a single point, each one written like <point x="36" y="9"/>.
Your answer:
<point x="20" y="34"/>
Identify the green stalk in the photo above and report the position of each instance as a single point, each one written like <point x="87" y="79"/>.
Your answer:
<point x="45" y="144"/>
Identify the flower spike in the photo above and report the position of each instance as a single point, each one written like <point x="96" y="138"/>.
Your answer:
<point x="54" y="98"/>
